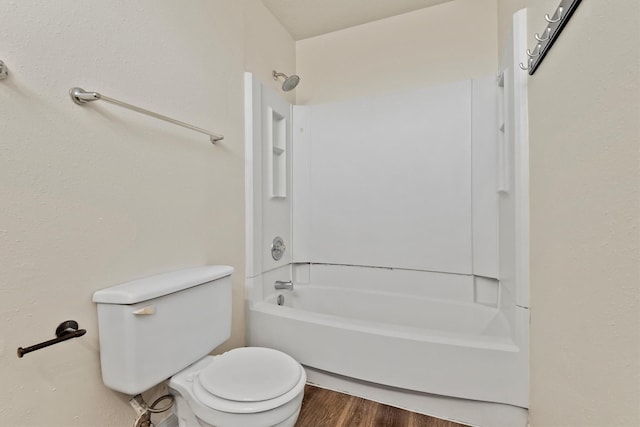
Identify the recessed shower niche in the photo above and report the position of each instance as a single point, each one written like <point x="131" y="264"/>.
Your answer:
<point x="278" y="143"/>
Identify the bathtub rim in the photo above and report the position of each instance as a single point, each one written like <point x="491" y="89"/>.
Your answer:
<point x="433" y="336"/>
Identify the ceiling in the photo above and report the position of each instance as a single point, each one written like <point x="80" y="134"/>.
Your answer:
<point x="309" y="18"/>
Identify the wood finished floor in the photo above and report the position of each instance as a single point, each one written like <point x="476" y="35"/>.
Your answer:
<point x="326" y="408"/>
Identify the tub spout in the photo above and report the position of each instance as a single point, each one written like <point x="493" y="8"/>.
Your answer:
<point x="284" y="285"/>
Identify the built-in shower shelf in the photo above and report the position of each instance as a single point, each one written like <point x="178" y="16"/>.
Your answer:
<point x="277" y="138"/>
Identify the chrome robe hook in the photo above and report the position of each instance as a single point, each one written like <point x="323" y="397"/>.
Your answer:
<point x="547" y="33"/>
<point x="556" y="17"/>
<point x="528" y="67"/>
<point x="536" y="50"/>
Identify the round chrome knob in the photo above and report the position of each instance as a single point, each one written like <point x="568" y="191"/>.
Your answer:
<point x="277" y="248"/>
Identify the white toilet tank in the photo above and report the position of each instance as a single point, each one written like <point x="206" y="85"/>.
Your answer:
<point x="154" y="327"/>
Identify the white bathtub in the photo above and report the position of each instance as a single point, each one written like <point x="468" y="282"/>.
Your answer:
<point x="439" y="346"/>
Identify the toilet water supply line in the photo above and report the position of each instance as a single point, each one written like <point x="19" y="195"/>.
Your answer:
<point x="144" y="411"/>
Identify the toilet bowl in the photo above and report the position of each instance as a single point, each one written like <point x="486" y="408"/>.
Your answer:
<point x="244" y="387"/>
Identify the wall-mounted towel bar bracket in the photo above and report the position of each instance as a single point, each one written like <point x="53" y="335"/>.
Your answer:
<point x="65" y="331"/>
<point x="4" y="71"/>
<point x="81" y="97"/>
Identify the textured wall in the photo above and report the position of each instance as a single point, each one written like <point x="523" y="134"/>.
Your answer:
<point x="97" y="195"/>
<point x="445" y="43"/>
<point x="506" y="9"/>
<point x="268" y="47"/>
<point x="584" y="107"/>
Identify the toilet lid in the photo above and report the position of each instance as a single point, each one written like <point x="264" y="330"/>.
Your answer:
<point x="250" y="374"/>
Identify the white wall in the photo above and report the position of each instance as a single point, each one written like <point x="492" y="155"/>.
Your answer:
<point x="506" y="9"/>
<point x="445" y="43"/>
<point x="584" y="105"/>
<point x="97" y="195"/>
<point x="390" y="180"/>
<point x="268" y="46"/>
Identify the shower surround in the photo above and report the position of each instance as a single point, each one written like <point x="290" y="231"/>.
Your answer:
<point x="389" y="208"/>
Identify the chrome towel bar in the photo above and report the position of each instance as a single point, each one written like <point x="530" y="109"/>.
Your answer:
<point x="80" y="97"/>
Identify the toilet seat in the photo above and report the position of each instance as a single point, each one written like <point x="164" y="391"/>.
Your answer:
<point x="248" y="380"/>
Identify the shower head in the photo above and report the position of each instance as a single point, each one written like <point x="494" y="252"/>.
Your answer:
<point x="290" y="82"/>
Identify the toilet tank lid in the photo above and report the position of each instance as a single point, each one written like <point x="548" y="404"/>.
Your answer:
<point x="161" y="284"/>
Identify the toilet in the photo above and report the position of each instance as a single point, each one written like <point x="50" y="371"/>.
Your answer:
<point x="164" y="326"/>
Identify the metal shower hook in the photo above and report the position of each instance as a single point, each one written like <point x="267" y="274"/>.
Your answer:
<point x="557" y="15"/>
<point x="4" y="71"/>
<point x="547" y="31"/>
<point x="536" y="50"/>
<point x="529" y="63"/>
